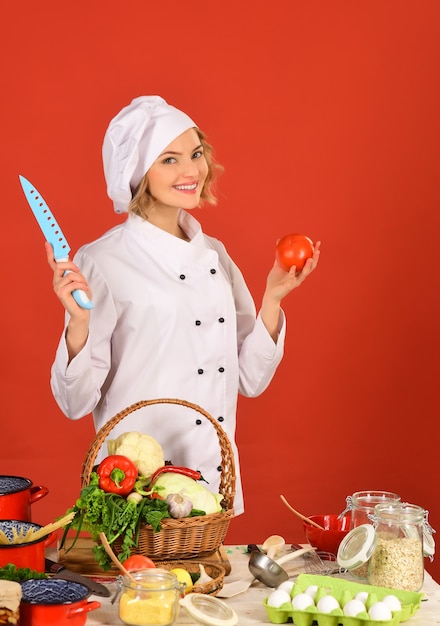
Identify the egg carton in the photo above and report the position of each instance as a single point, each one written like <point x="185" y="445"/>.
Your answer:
<point x="343" y="591"/>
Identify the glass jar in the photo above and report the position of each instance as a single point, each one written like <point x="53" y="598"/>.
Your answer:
<point x="362" y="504"/>
<point x="397" y="559"/>
<point x="150" y="598"/>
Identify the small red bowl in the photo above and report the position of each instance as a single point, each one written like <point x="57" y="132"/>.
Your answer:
<point x="335" y="529"/>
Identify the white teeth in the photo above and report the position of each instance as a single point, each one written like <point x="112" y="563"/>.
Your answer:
<point x="187" y="187"/>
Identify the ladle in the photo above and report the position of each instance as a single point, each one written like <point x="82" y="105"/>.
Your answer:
<point x="272" y="545"/>
<point x="300" y="515"/>
<point x="264" y="569"/>
<point x="269" y="571"/>
<point x="114" y="558"/>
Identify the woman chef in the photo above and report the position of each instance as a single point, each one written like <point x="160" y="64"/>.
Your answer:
<point x="172" y="315"/>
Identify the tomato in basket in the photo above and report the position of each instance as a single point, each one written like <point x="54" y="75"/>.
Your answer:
<point x="138" y="561"/>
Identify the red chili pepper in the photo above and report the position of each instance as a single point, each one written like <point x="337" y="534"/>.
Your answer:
<point x="117" y="474"/>
<point x="186" y="471"/>
<point x="156" y="496"/>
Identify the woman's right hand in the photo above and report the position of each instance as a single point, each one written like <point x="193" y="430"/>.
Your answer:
<point x="65" y="283"/>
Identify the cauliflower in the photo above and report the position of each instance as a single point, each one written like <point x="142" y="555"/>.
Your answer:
<point x="145" y="452"/>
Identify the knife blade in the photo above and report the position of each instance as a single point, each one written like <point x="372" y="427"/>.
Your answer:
<point x="59" y="571"/>
<point x="52" y="232"/>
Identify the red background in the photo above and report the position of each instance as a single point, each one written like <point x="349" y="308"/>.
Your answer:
<point x="326" y="118"/>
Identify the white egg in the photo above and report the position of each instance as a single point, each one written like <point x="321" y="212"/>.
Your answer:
<point x="392" y="602"/>
<point x="311" y="590"/>
<point x="380" y="611"/>
<point x="362" y="596"/>
<point x="327" y="604"/>
<point x="302" y="601"/>
<point x="277" y="598"/>
<point x="354" y="607"/>
<point x="286" y="586"/>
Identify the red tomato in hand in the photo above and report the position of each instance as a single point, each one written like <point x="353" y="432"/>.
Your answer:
<point x="137" y="562"/>
<point x="293" y="250"/>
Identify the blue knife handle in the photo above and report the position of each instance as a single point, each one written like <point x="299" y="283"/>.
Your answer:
<point x="81" y="299"/>
<point x="79" y="295"/>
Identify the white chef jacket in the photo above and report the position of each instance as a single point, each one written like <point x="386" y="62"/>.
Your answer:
<point x="171" y="319"/>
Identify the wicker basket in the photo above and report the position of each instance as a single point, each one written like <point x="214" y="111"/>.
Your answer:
<point x="187" y="537"/>
<point x="216" y="571"/>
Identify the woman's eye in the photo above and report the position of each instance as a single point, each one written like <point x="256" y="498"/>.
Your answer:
<point x="197" y="154"/>
<point x="170" y="160"/>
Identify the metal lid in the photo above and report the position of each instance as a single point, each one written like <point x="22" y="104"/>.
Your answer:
<point x="357" y="547"/>
<point x="209" y="610"/>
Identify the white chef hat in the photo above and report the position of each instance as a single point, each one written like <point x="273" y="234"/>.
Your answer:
<point x="133" y="141"/>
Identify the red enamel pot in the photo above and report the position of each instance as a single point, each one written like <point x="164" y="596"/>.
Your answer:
<point x="30" y="554"/>
<point x="17" y="494"/>
<point x="55" y="601"/>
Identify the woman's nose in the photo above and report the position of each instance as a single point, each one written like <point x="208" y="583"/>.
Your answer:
<point x="189" y="168"/>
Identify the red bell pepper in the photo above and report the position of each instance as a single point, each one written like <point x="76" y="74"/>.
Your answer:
<point x="117" y="474"/>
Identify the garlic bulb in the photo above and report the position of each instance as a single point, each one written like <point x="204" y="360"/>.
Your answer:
<point x="179" y="505"/>
<point x="204" y="577"/>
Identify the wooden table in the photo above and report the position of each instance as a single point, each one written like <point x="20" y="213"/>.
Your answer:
<point x="249" y="605"/>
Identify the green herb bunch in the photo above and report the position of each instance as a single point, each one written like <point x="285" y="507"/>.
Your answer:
<point x="19" y="574"/>
<point x="97" y="511"/>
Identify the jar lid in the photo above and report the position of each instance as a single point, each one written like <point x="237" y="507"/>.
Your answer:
<point x="357" y="547"/>
<point x="209" y="610"/>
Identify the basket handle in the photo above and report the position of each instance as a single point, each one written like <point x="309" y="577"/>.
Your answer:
<point x="227" y="476"/>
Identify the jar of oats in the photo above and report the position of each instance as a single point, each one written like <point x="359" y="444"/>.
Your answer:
<point x="397" y="559"/>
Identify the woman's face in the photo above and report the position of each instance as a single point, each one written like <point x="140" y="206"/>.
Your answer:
<point x="177" y="176"/>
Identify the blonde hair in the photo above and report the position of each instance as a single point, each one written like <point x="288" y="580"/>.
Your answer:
<point x="143" y="200"/>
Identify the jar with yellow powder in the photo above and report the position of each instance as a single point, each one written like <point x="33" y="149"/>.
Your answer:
<point x="151" y="598"/>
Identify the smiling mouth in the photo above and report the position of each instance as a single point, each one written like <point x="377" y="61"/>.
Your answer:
<point x="191" y="187"/>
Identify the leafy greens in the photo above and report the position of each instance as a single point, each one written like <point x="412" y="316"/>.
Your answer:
<point x="118" y="518"/>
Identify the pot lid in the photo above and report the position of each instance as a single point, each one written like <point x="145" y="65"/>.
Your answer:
<point x="209" y="610"/>
<point x="357" y="547"/>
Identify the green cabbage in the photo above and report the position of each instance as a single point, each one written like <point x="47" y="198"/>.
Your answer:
<point x="201" y="498"/>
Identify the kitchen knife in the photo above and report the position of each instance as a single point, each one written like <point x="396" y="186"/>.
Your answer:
<point x="52" y="232"/>
<point x="59" y="571"/>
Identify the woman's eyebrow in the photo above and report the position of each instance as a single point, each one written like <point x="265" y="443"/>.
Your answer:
<point x="177" y="153"/>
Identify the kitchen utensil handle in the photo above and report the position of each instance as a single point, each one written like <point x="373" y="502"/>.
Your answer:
<point x="81" y="299"/>
<point x="252" y="547"/>
<point x="79" y="295"/>
<point x="294" y="555"/>
<point x="300" y="515"/>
